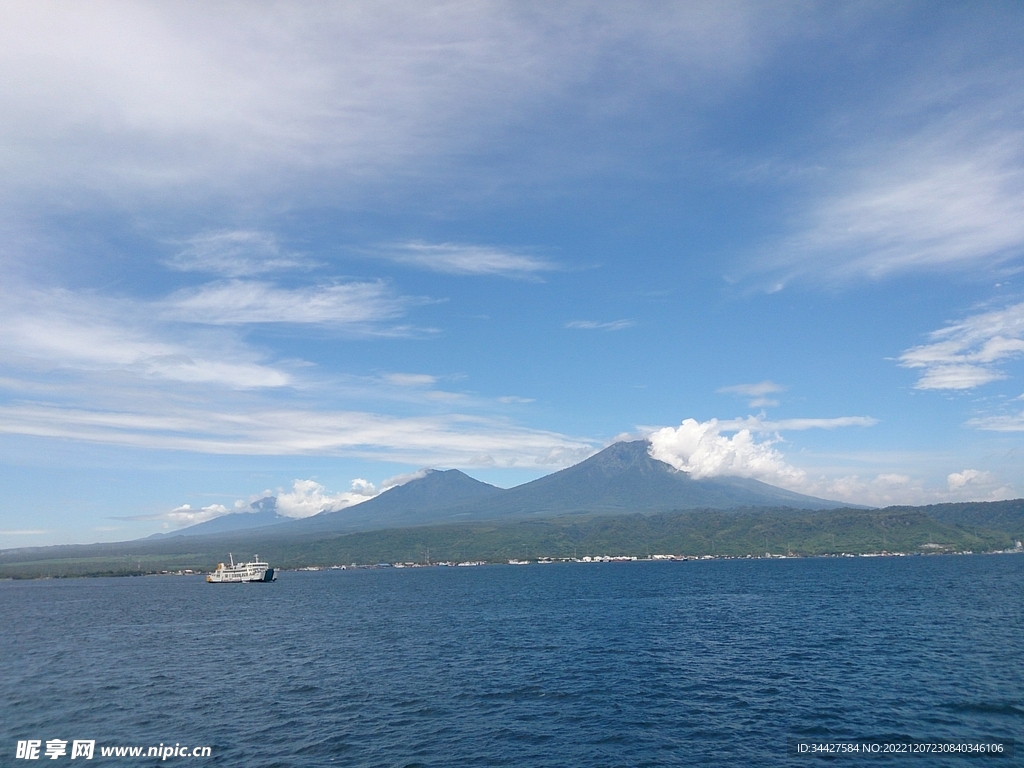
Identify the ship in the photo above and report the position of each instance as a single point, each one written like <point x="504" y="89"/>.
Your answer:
<point x="242" y="573"/>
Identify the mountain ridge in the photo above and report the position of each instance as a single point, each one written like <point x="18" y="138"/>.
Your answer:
<point x="622" y="478"/>
<point x="263" y="515"/>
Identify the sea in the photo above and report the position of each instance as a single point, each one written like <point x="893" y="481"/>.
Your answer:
<point x="714" y="662"/>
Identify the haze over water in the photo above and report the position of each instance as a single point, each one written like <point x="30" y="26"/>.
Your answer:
<point x="639" y="664"/>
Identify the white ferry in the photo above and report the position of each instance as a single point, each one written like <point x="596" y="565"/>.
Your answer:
<point x="242" y="573"/>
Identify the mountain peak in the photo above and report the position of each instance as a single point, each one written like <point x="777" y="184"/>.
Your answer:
<point x="624" y="477"/>
<point x="419" y="501"/>
<point x="625" y="454"/>
<point x="449" y="482"/>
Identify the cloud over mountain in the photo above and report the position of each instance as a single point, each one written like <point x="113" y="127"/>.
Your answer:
<point x="701" y="450"/>
<point x="308" y="497"/>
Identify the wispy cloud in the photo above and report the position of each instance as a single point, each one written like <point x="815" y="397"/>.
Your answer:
<point x="60" y="329"/>
<point x="925" y="176"/>
<point x="758" y="393"/>
<point x="1001" y="423"/>
<point x="239" y="302"/>
<point x="937" y="208"/>
<point x="967" y="354"/>
<point x="438" y="440"/>
<point x="236" y="253"/>
<point x="753" y="390"/>
<point x="411" y="379"/>
<point x="186" y="515"/>
<point x="24" y="532"/>
<point x="87" y="368"/>
<point x="172" y="340"/>
<point x="406" y="477"/>
<point x="246" y="97"/>
<point x="763" y="425"/>
<point x="595" y="325"/>
<point x="461" y="259"/>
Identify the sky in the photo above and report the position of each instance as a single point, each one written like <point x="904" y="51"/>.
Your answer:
<point x="307" y="250"/>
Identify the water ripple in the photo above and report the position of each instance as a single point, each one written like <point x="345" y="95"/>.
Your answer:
<point x="648" y="664"/>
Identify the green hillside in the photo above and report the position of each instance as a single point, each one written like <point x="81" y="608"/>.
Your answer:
<point x="701" y="532"/>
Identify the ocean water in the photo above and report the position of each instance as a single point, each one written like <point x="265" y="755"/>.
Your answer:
<point x="620" y="664"/>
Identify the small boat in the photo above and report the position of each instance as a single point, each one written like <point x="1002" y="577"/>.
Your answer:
<point x="242" y="573"/>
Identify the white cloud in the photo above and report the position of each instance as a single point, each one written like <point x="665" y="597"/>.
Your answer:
<point x="185" y="515"/>
<point x="164" y="340"/>
<point x="60" y="329"/>
<point x="885" y="489"/>
<point x="940" y="208"/>
<point x="110" y="371"/>
<point x="957" y="377"/>
<point x="699" y="449"/>
<point x="305" y="499"/>
<point x="24" y="532"/>
<point x="1005" y="423"/>
<point x="702" y="450"/>
<point x="756" y="392"/>
<point x="246" y="97"/>
<point x="925" y="175"/>
<point x="460" y="259"/>
<point x="594" y="325"/>
<point x="515" y="400"/>
<point x="895" y="488"/>
<point x="308" y="498"/>
<point x="439" y="395"/>
<point x="411" y="379"/>
<point x="436" y="440"/>
<point x="759" y="424"/>
<point x="396" y="480"/>
<point x="965" y="354"/>
<point x="961" y="479"/>
<point x="239" y="302"/>
<point x="236" y="253"/>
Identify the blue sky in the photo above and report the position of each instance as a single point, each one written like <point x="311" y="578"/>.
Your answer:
<point x="308" y="250"/>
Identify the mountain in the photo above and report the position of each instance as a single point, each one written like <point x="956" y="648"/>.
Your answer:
<point x="236" y="521"/>
<point x="619" y="500"/>
<point x="427" y="499"/>
<point x="624" y="478"/>
<point x="621" y="478"/>
<point x="265" y="514"/>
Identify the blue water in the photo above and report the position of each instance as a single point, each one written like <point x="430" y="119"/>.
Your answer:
<point x="619" y="664"/>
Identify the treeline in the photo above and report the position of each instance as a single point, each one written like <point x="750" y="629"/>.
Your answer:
<point x="977" y="527"/>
